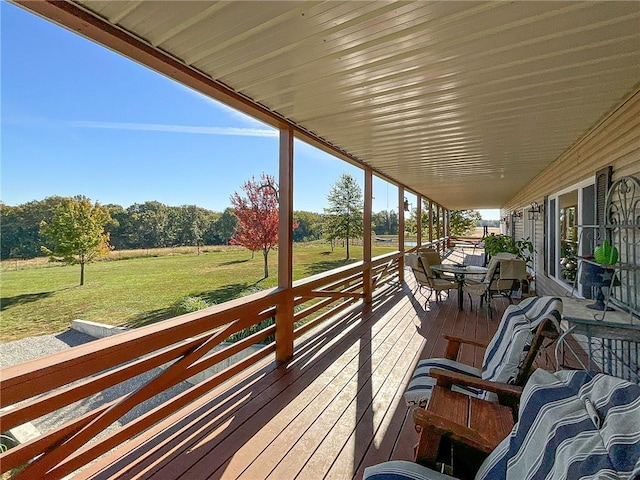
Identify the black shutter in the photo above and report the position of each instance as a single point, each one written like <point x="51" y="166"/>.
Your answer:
<point x="603" y="183"/>
<point x="545" y="230"/>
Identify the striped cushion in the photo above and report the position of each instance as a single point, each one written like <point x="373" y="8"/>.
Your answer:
<point x="573" y="425"/>
<point x="401" y="470"/>
<point x="510" y="344"/>
<point x="503" y="355"/>
<point x="419" y="388"/>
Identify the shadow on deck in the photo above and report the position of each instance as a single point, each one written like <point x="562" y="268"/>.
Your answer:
<point x="336" y="408"/>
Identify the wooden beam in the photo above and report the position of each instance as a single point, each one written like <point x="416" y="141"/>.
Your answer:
<point x="336" y="295"/>
<point x="438" y="227"/>
<point x="284" y="315"/>
<point x="382" y="273"/>
<point x="447" y="230"/>
<point x="366" y="235"/>
<point x="430" y="220"/>
<point x="419" y="221"/>
<point x="401" y="233"/>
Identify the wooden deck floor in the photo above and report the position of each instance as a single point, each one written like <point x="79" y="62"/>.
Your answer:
<point x="329" y="413"/>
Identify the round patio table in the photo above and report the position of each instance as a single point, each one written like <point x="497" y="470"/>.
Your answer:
<point x="459" y="272"/>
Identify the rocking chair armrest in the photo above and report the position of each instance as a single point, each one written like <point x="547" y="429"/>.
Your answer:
<point x="426" y="421"/>
<point x="455" y="341"/>
<point x="445" y="378"/>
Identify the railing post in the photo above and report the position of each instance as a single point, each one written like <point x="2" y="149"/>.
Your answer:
<point x="366" y="235"/>
<point x="284" y="310"/>
<point x="447" y="232"/>
<point x="437" y="225"/>
<point x="430" y="221"/>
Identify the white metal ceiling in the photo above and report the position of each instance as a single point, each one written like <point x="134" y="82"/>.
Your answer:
<point x="464" y="102"/>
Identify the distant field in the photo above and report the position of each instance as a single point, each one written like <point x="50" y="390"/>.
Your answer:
<point x="478" y="232"/>
<point x="40" y="298"/>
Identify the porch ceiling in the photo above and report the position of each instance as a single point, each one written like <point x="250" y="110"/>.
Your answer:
<point x="463" y="102"/>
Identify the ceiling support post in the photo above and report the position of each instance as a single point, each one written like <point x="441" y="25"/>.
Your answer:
<point x="419" y="221"/>
<point x="284" y="311"/>
<point x="401" y="233"/>
<point x="366" y="235"/>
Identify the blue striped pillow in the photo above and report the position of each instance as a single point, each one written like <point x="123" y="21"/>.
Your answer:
<point x="510" y="344"/>
<point x="572" y="424"/>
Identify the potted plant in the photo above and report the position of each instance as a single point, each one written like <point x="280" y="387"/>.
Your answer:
<point x="522" y="248"/>
<point x="605" y="254"/>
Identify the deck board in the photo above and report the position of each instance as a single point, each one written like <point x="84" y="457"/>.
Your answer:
<point x="336" y="408"/>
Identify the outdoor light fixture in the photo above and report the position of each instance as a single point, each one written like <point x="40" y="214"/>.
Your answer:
<point x="517" y="214"/>
<point x="272" y="187"/>
<point x="406" y="204"/>
<point x="534" y="211"/>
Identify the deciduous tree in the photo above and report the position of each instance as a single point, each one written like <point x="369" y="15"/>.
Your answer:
<point x="225" y="226"/>
<point x="385" y="222"/>
<point x="463" y="222"/>
<point x="257" y="214"/>
<point x="309" y="226"/>
<point x="345" y="213"/>
<point x="151" y="220"/>
<point x="21" y="236"/>
<point x="77" y="233"/>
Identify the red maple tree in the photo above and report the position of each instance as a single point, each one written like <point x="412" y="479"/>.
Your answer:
<point x="257" y="214"/>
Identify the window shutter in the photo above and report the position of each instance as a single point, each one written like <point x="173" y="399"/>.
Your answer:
<point x="545" y="230"/>
<point x="603" y="183"/>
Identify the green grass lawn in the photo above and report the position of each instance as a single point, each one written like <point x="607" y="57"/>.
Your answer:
<point x="142" y="290"/>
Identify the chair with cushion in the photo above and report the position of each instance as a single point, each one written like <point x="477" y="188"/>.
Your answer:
<point x="503" y="270"/>
<point x="429" y="257"/>
<point x="425" y="278"/>
<point x="572" y="424"/>
<point x="508" y="357"/>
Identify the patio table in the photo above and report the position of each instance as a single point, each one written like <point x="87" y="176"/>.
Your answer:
<point x="459" y="272"/>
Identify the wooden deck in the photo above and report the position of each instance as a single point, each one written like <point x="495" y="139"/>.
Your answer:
<point x="329" y="413"/>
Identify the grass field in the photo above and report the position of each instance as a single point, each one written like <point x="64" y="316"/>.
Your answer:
<point x="40" y="298"/>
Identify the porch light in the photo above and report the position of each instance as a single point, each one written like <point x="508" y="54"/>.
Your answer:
<point x="406" y="204"/>
<point x="517" y="214"/>
<point x="534" y="211"/>
<point x="272" y="187"/>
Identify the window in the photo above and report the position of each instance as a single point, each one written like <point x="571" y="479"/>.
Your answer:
<point x="570" y="222"/>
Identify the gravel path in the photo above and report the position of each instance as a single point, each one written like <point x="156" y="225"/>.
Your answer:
<point x="18" y="351"/>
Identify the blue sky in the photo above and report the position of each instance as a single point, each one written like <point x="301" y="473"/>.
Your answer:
<point x="80" y="119"/>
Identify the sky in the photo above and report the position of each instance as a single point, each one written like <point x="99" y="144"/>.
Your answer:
<point x="79" y="119"/>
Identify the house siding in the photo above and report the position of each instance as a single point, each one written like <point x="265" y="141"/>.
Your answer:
<point x="614" y="141"/>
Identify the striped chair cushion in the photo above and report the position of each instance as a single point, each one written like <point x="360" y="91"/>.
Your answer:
<point x="401" y="470"/>
<point x="503" y="355"/>
<point x="572" y="425"/>
<point x="512" y="341"/>
<point x="419" y="388"/>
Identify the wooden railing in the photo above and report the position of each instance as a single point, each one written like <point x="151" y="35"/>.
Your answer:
<point x="182" y="346"/>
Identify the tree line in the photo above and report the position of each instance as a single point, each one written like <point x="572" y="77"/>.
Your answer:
<point x="153" y="224"/>
<point x="145" y="225"/>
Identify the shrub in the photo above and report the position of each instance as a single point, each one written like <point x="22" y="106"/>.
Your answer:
<point x="254" y="329"/>
<point x="188" y="304"/>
